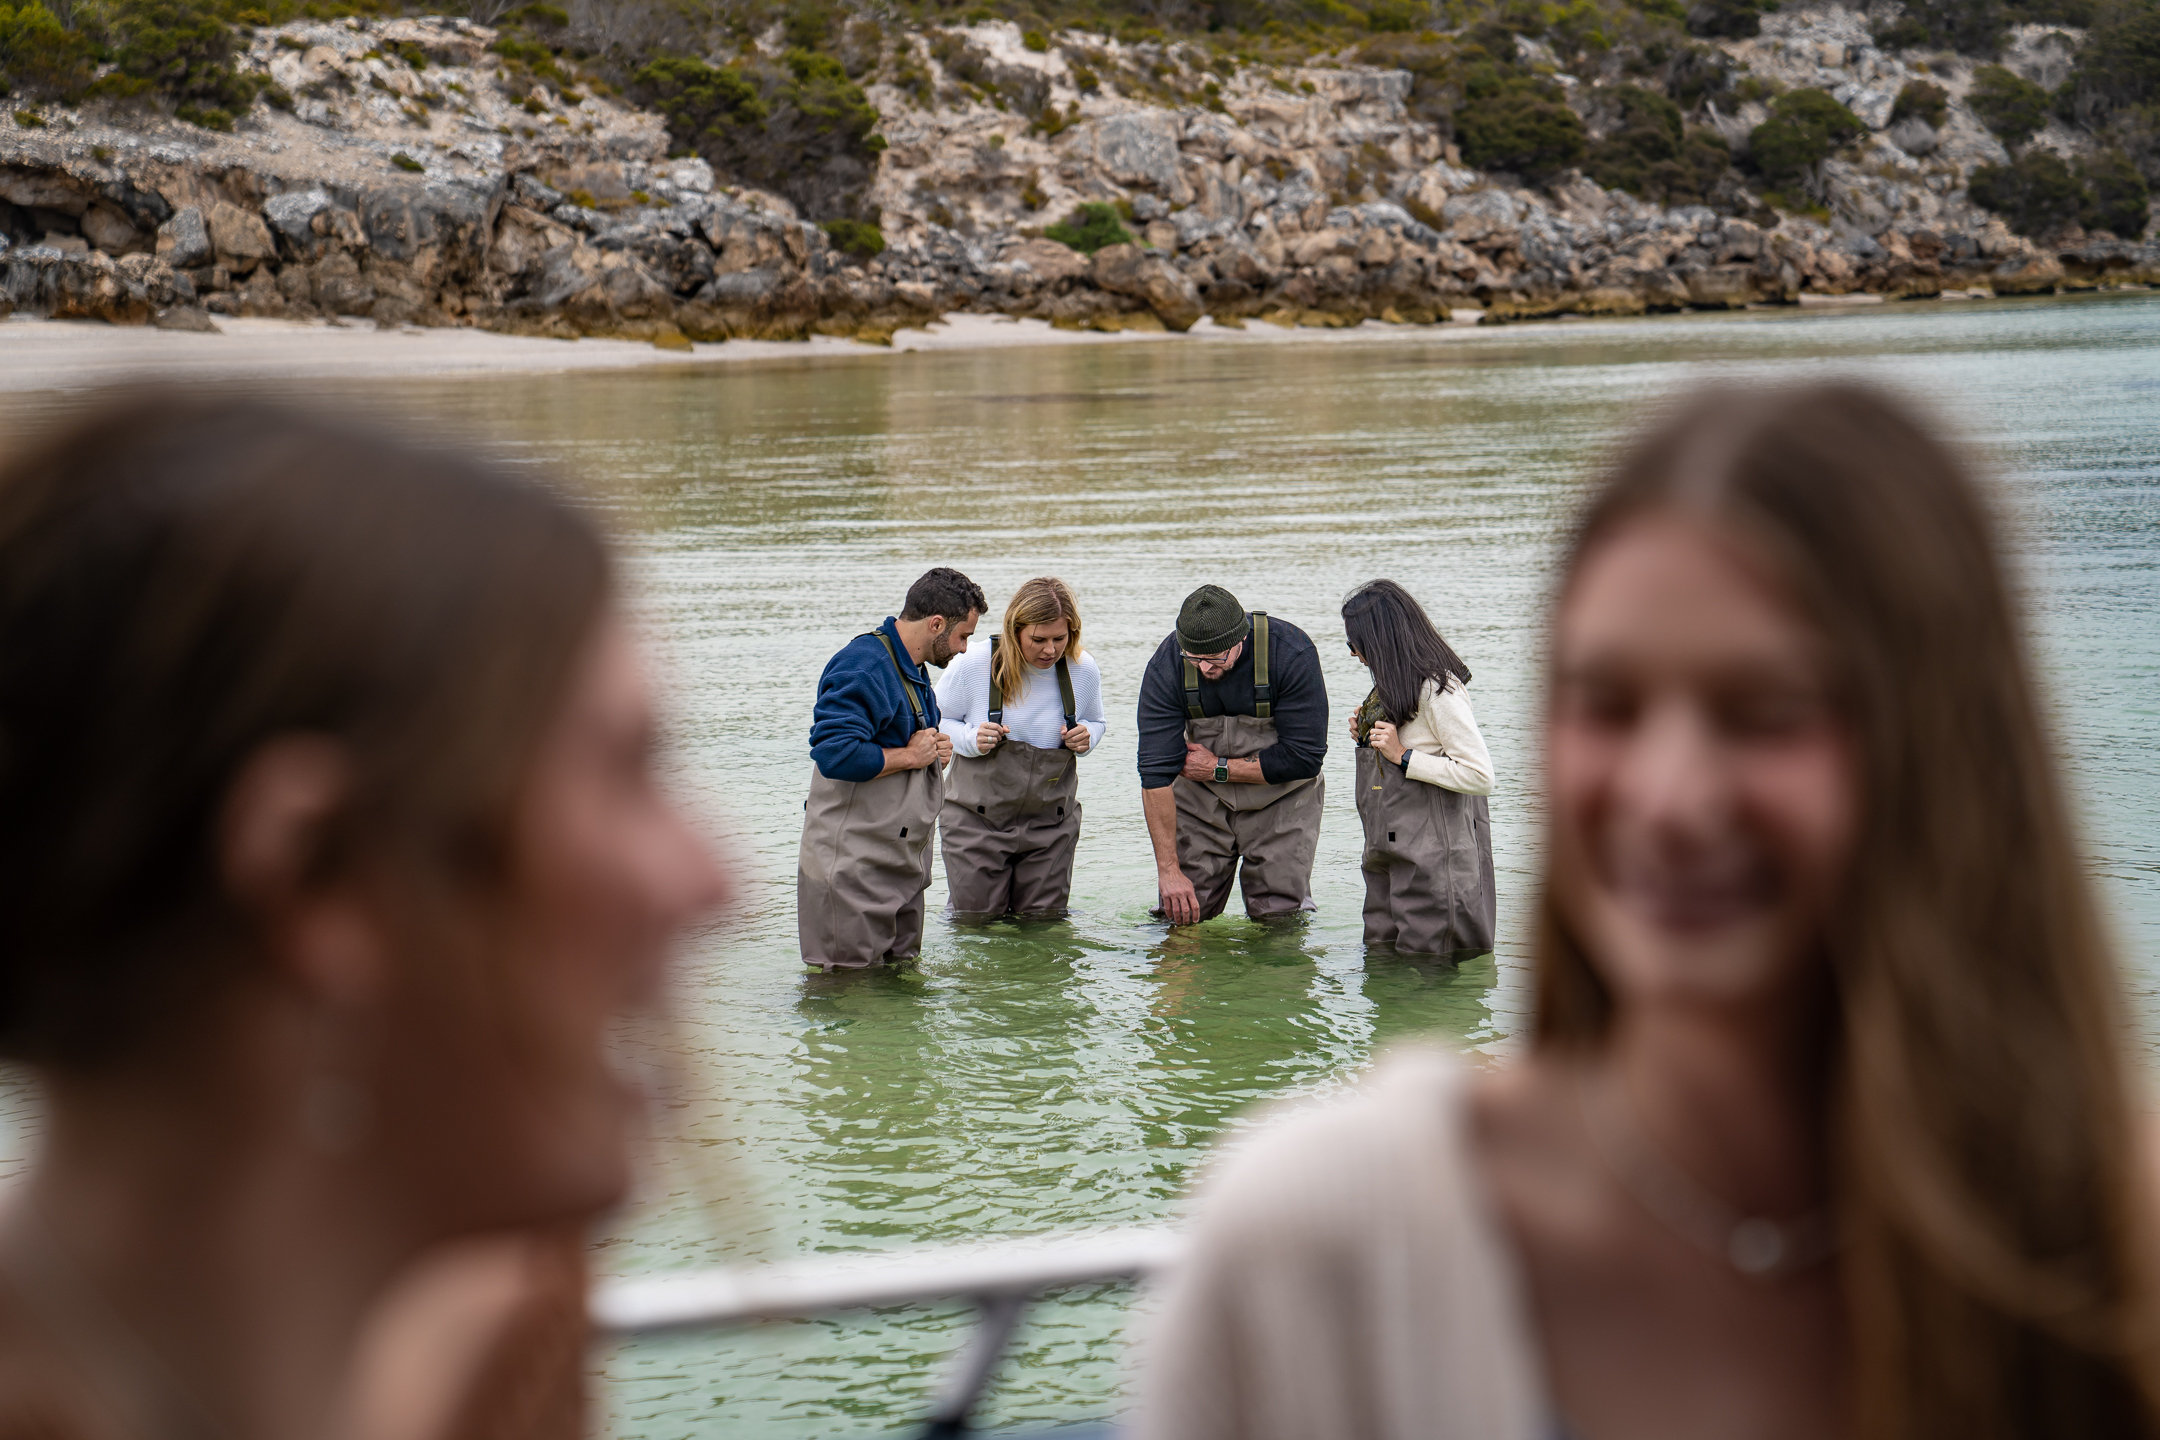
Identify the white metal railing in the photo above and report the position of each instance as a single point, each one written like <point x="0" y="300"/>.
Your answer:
<point x="998" y="1276"/>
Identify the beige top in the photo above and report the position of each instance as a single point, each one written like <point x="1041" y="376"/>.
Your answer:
<point x="1446" y="748"/>
<point x="1349" y="1281"/>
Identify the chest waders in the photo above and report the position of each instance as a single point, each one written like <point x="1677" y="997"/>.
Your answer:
<point x="1011" y="820"/>
<point x="1427" y="862"/>
<point x="865" y="859"/>
<point x="1263" y="835"/>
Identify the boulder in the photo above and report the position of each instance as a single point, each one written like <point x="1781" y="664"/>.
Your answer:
<point x="108" y="227"/>
<point x="237" y="234"/>
<point x="1136" y="148"/>
<point x="184" y="241"/>
<point x="1131" y="271"/>
<point x="1914" y="136"/>
<point x="1722" y="287"/>
<point x="293" y="214"/>
<point x="1049" y="262"/>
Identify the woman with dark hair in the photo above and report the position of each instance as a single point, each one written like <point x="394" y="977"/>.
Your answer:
<point x="1423" y="775"/>
<point x="1826" y="1126"/>
<point x="331" y="846"/>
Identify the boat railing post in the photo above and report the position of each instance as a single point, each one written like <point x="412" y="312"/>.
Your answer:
<point x="998" y="1316"/>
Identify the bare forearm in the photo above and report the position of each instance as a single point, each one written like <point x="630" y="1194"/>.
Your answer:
<point x="897" y="760"/>
<point x="1245" y="772"/>
<point x="1160" y="807"/>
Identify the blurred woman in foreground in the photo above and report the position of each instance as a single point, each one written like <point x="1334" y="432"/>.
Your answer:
<point x="330" y="843"/>
<point x="1826" y="1128"/>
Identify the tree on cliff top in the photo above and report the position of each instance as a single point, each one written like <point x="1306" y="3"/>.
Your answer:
<point x="2008" y="104"/>
<point x="1805" y="128"/>
<point x="40" y="58"/>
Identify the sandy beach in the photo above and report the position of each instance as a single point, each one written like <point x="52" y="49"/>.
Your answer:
<point x="72" y="354"/>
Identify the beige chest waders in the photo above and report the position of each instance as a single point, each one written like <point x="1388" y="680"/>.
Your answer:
<point x="1428" y="862"/>
<point x="1261" y="835"/>
<point x="865" y="860"/>
<point x="1011" y="820"/>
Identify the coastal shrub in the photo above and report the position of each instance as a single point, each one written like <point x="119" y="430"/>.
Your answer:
<point x="2118" y="199"/>
<point x="1036" y="41"/>
<point x="1921" y="100"/>
<point x="1726" y="19"/>
<point x="182" y="50"/>
<point x="1649" y="152"/>
<point x="406" y="162"/>
<point x="1970" y="27"/>
<point x="2036" y="194"/>
<point x="1523" y="126"/>
<point x="1805" y="128"/>
<point x="857" y="238"/>
<point x="2118" y="66"/>
<point x="41" y="58"/>
<point x="698" y="101"/>
<point x="2008" y="104"/>
<point x="1089" y="228"/>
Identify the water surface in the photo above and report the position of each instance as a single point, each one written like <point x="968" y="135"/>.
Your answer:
<point x="1040" y="1077"/>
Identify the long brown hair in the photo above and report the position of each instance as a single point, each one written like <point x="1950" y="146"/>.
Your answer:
<point x="182" y="581"/>
<point x="1039" y="602"/>
<point x="1987" y="1158"/>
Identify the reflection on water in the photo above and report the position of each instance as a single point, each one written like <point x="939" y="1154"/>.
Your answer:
<point x="1044" y="1076"/>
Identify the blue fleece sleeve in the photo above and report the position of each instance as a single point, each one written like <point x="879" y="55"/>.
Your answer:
<point x="843" y="734"/>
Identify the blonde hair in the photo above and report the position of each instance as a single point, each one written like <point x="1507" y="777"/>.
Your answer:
<point x="1039" y="602"/>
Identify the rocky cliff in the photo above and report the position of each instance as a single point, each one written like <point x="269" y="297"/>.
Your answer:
<point x="410" y="177"/>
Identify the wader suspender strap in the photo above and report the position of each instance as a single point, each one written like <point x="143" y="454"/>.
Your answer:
<point x="1065" y="694"/>
<point x="1065" y="690"/>
<point x="1263" y="692"/>
<point x="907" y="686"/>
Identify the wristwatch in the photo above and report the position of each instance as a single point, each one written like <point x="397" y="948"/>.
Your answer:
<point x="1222" y="770"/>
<point x="1404" y="763"/>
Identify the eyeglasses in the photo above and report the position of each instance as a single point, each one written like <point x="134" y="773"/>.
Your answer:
<point x="1222" y="659"/>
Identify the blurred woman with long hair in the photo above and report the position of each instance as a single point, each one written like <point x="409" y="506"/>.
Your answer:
<point x="331" y="845"/>
<point x="1021" y="712"/>
<point x="1423" y="775"/>
<point x="1826" y="1127"/>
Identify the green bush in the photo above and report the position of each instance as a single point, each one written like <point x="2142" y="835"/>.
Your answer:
<point x="407" y="163"/>
<point x="1650" y="153"/>
<point x="1036" y="41"/>
<point x="1725" y="19"/>
<point x="858" y="238"/>
<point x="2118" y="66"/>
<point x="2036" y="194"/>
<point x="183" y="50"/>
<point x="39" y="57"/>
<point x="1921" y="100"/>
<point x="2008" y="104"/>
<point x="2117" y="197"/>
<point x="1089" y="228"/>
<point x="1970" y="27"/>
<point x="1805" y="128"/>
<point x="699" y="101"/>
<point x="1398" y="17"/>
<point x="833" y="103"/>
<point x="1523" y="126"/>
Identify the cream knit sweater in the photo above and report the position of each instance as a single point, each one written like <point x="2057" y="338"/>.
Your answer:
<point x="1349" y="1281"/>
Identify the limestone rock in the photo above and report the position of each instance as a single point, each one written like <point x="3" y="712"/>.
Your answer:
<point x="184" y="241"/>
<point x="237" y="234"/>
<point x="1130" y="271"/>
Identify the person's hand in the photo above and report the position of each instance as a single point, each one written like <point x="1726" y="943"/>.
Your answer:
<point x="988" y="735"/>
<point x="1179" y="903"/>
<point x="1199" y="764"/>
<point x="944" y="748"/>
<point x="1079" y="740"/>
<point x="1351" y="726"/>
<point x="1383" y="738"/>
<point x="924" y="747"/>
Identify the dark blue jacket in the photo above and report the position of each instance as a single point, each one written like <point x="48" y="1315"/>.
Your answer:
<point x="862" y="711"/>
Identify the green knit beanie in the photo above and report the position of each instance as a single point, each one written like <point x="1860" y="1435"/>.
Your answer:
<point x="1210" y="621"/>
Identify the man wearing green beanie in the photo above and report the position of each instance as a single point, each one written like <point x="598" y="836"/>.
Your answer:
<point x="1233" y="730"/>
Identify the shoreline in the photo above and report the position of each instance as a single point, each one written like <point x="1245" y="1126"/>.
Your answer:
<point x="44" y="355"/>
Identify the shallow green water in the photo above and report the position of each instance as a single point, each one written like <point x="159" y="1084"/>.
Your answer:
<point x="1056" y="1076"/>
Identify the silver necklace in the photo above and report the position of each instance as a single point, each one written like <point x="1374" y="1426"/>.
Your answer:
<point x="1755" y="1245"/>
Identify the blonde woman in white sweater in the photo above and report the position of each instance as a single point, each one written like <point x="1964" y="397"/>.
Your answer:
<point x="1423" y="775"/>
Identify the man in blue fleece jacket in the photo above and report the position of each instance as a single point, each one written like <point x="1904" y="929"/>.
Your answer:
<point x="877" y="780"/>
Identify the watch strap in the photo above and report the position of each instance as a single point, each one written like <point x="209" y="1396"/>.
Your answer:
<point x="1222" y="769"/>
